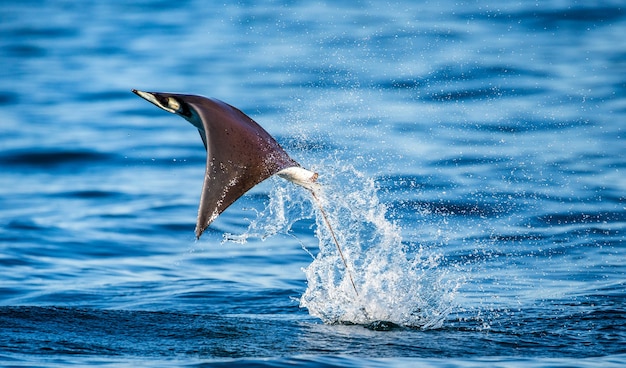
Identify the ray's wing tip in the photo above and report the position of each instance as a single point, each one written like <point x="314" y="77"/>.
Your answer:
<point x="198" y="233"/>
<point x="201" y="229"/>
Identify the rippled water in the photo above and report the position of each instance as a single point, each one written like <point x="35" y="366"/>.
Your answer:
<point x="472" y="156"/>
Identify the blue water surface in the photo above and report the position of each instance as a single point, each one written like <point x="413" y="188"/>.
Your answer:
<point x="493" y="134"/>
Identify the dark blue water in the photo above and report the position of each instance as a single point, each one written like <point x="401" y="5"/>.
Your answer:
<point x="472" y="156"/>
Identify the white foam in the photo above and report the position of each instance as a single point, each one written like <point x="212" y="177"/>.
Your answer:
<point x="394" y="282"/>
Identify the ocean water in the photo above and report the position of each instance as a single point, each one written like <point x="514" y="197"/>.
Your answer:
<point x="471" y="156"/>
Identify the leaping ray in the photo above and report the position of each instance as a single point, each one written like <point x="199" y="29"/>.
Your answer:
<point x="240" y="155"/>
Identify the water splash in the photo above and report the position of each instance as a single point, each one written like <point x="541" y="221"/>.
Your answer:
<point x="394" y="282"/>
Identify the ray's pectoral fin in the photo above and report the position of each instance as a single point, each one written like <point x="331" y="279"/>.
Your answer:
<point x="203" y="137"/>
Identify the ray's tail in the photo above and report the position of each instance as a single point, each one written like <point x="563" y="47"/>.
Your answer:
<point x="332" y="234"/>
<point x="308" y="180"/>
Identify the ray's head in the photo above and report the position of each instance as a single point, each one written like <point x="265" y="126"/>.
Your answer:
<point x="174" y="103"/>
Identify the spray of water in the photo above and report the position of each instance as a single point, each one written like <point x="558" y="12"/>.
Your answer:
<point x="379" y="278"/>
